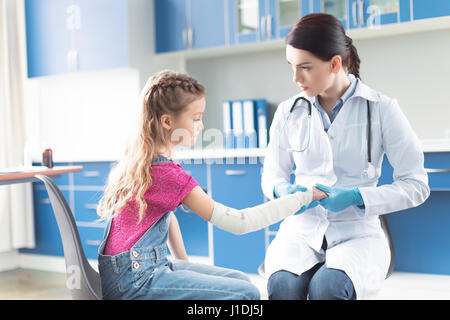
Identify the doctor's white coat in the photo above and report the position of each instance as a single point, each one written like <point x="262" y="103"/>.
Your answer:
<point x="356" y="242"/>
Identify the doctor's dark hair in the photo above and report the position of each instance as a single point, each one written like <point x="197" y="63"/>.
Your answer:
<point x="324" y="36"/>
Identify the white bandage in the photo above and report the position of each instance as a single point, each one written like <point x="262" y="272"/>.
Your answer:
<point x="255" y="218"/>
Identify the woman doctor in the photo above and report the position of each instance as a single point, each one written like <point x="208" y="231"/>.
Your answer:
<point x="335" y="133"/>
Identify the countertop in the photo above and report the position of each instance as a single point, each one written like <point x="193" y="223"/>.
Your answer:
<point x="430" y="145"/>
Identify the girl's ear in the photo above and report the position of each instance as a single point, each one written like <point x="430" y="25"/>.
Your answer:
<point x="166" y="121"/>
<point x="336" y="64"/>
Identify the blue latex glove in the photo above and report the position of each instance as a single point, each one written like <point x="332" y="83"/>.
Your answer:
<point x="340" y="198"/>
<point x="285" y="188"/>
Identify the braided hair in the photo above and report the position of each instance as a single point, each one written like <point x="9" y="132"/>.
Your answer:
<point x="167" y="92"/>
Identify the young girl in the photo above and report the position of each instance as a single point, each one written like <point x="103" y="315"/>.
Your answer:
<point x="144" y="189"/>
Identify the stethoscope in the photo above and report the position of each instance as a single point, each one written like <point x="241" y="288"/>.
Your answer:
<point x="368" y="171"/>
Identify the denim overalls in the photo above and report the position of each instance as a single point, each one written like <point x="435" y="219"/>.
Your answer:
<point x="145" y="272"/>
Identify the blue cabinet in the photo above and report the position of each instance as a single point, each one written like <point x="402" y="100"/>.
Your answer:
<point x="47" y="237"/>
<point x="365" y="13"/>
<point x="420" y="234"/>
<point x="102" y="39"/>
<point x="88" y="186"/>
<point x="207" y="20"/>
<point x="238" y="186"/>
<point x="48" y="38"/>
<point x="82" y="191"/>
<point x="193" y="228"/>
<point x="189" y="24"/>
<point x="77" y="35"/>
<point x="170" y="25"/>
<point x="246" y="20"/>
<point x="286" y="14"/>
<point x="423" y="9"/>
<point x="262" y="20"/>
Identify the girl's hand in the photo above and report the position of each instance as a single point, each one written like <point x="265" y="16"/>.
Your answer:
<point x="318" y="194"/>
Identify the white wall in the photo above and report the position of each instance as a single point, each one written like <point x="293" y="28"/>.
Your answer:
<point x="414" y="69"/>
<point x="85" y="116"/>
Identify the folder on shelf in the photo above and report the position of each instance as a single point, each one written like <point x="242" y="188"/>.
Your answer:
<point x="227" y="125"/>
<point x="238" y="125"/>
<point x="261" y="119"/>
<point x="249" y="124"/>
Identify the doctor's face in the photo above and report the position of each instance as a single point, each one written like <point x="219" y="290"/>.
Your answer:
<point x="311" y="74"/>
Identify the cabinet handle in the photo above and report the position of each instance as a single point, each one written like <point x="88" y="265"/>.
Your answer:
<point x="91" y="174"/>
<point x="361" y="12"/>
<point x="269" y="26"/>
<point x="184" y="35"/>
<point x="355" y="22"/>
<point x="235" y="172"/>
<point x="263" y="27"/>
<point x="436" y="170"/>
<point x="91" y="206"/>
<point x="190" y="43"/>
<point x="72" y="60"/>
<point x="93" y="242"/>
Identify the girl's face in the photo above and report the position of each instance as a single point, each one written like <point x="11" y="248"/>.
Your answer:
<point x="311" y="74"/>
<point x="189" y="123"/>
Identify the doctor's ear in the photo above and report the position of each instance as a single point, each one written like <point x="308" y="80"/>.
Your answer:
<point x="336" y="64"/>
<point x="166" y="121"/>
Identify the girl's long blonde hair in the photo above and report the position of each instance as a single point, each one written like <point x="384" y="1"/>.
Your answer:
<point x="167" y="92"/>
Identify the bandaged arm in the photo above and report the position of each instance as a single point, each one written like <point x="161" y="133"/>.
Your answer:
<point x="255" y="218"/>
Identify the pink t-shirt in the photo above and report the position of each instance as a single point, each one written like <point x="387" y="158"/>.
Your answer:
<point x="170" y="185"/>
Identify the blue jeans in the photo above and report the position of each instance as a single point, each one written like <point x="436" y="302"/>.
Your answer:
<point x="318" y="283"/>
<point x="144" y="272"/>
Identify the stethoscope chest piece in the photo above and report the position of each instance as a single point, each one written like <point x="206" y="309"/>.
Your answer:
<point x="369" y="171"/>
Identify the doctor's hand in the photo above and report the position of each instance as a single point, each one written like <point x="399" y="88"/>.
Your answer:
<point x="283" y="188"/>
<point x="340" y="198"/>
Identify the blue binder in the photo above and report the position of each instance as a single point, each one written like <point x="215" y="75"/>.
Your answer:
<point x="261" y="122"/>
<point x="227" y="125"/>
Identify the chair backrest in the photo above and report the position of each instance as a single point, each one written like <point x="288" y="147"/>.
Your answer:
<point x="387" y="233"/>
<point x="83" y="281"/>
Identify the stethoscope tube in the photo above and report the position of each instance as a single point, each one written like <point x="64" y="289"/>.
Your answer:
<point x="369" y="126"/>
<point x="295" y="103"/>
<point x="369" y="135"/>
<point x="287" y="120"/>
